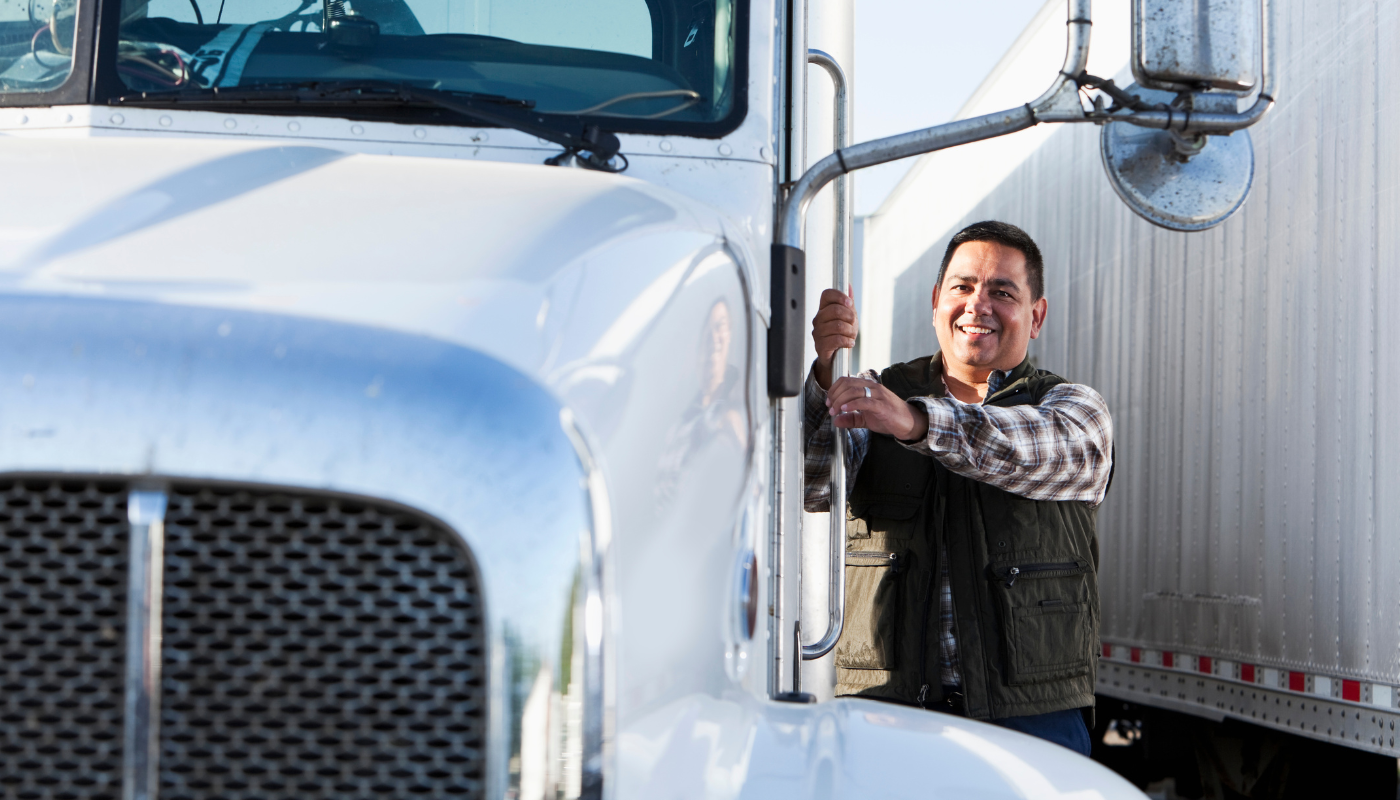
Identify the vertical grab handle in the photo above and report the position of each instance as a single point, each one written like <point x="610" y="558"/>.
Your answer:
<point x="841" y="266"/>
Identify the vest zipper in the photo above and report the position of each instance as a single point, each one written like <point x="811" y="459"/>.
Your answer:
<point x="871" y="558"/>
<point x="923" y="639"/>
<point x="1010" y="574"/>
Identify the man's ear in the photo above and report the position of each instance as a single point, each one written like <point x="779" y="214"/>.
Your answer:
<point x="1038" y="309"/>
<point x="934" y="300"/>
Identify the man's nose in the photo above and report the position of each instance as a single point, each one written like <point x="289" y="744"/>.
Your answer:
<point x="978" y="303"/>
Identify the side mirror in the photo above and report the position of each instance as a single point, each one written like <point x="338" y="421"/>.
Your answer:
<point x="1177" y="152"/>
<point x="1196" y="45"/>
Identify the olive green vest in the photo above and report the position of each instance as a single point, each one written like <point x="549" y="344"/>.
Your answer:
<point x="1023" y="575"/>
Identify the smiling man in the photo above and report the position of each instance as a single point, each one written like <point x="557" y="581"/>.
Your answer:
<point x="971" y="554"/>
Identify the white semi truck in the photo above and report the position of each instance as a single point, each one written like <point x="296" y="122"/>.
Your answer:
<point x="396" y="401"/>
<point x="1249" y="543"/>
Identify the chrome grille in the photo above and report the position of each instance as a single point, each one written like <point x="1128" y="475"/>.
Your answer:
<point x="63" y="546"/>
<point x="316" y="647"/>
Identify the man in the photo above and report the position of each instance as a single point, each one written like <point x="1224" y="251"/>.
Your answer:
<point x="975" y="479"/>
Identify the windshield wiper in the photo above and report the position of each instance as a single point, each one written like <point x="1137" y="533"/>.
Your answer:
<point x="593" y="147"/>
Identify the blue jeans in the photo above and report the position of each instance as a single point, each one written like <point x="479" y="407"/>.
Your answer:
<point x="1064" y="728"/>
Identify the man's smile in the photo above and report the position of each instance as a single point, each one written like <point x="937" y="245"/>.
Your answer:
<point x="974" y="330"/>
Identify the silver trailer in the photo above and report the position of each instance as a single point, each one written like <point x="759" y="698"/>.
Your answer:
<point x="1250" y="538"/>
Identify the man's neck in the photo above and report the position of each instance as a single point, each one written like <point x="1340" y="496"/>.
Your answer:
<point x="967" y="383"/>
<point x="968" y="387"/>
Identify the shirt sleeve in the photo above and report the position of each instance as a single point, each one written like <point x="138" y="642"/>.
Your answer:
<point x="817" y="440"/>
<point x="1060" y="449"/>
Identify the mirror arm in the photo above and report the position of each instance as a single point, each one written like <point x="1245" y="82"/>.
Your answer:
<point x="788" y="266"/>
<point x="1047" y="108"/>
<point x="1061" y="102"/>
<point x="1186" y="121"/>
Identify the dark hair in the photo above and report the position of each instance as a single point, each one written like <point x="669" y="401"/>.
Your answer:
<point x="1007" y="235"/>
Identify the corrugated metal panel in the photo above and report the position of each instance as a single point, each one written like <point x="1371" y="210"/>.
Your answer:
<point x="1256" y="510"/>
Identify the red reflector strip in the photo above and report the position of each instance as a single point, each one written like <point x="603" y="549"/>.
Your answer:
<point x="1351" y="691"/>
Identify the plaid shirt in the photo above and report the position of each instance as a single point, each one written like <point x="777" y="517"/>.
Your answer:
<point x="1058" y="450"/>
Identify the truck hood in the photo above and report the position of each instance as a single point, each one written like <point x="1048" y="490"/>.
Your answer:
<point x="487" y="255"/>
<point x="849" y="748"/>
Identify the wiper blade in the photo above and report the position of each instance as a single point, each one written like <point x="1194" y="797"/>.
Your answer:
<point x="309" y="93"/>
<point x="594" y="147"/>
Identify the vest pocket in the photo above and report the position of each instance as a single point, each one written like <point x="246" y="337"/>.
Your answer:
<point x="1046" y="619"/>
<point x="873" y="598"/>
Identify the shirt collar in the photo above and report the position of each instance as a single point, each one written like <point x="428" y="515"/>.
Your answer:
<point x="997" y="381"/>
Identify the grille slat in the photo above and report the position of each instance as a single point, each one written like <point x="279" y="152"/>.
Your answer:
<point x="317" y="647"/>
<point x="63" y="593"/>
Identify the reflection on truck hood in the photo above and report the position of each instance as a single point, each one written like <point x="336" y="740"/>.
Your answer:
<point x="849" y="748"/>
<point x="472" y="252"/>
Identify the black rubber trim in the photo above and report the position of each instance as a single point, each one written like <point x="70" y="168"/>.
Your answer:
<point x="786" y="327"/>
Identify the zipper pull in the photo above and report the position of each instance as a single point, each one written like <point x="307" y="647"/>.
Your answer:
<point x="1011" y="576"/>
<point x="923" y="695"/>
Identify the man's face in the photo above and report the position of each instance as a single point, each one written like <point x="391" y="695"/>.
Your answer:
<point x="983" y="312"/>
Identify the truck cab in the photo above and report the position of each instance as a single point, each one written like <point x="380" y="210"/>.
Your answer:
<point x="386" y="410"/>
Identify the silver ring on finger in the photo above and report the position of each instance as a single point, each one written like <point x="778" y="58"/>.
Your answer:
<point x="867" y="392"/>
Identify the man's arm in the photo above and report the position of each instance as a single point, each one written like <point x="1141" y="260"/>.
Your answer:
<point x="835" y="326"/>
<point x="1060" y="449"/>
<point x="816" y="433"/>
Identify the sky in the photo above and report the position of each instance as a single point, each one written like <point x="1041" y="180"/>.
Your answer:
<point x="917" y="62"/>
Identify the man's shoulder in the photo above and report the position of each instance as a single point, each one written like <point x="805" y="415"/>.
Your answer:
<point x="1042" y="383"/>
<point x="1044" y="380"/>
<point x="1029" y="384"/>
<point x="912" y="378"/>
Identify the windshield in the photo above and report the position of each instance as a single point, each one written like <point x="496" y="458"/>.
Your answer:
<point x="669" y="60"/>
<point x="36" y="44"/>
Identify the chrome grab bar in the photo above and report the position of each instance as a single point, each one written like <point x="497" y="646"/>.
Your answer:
<point x="841" y="267"/>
